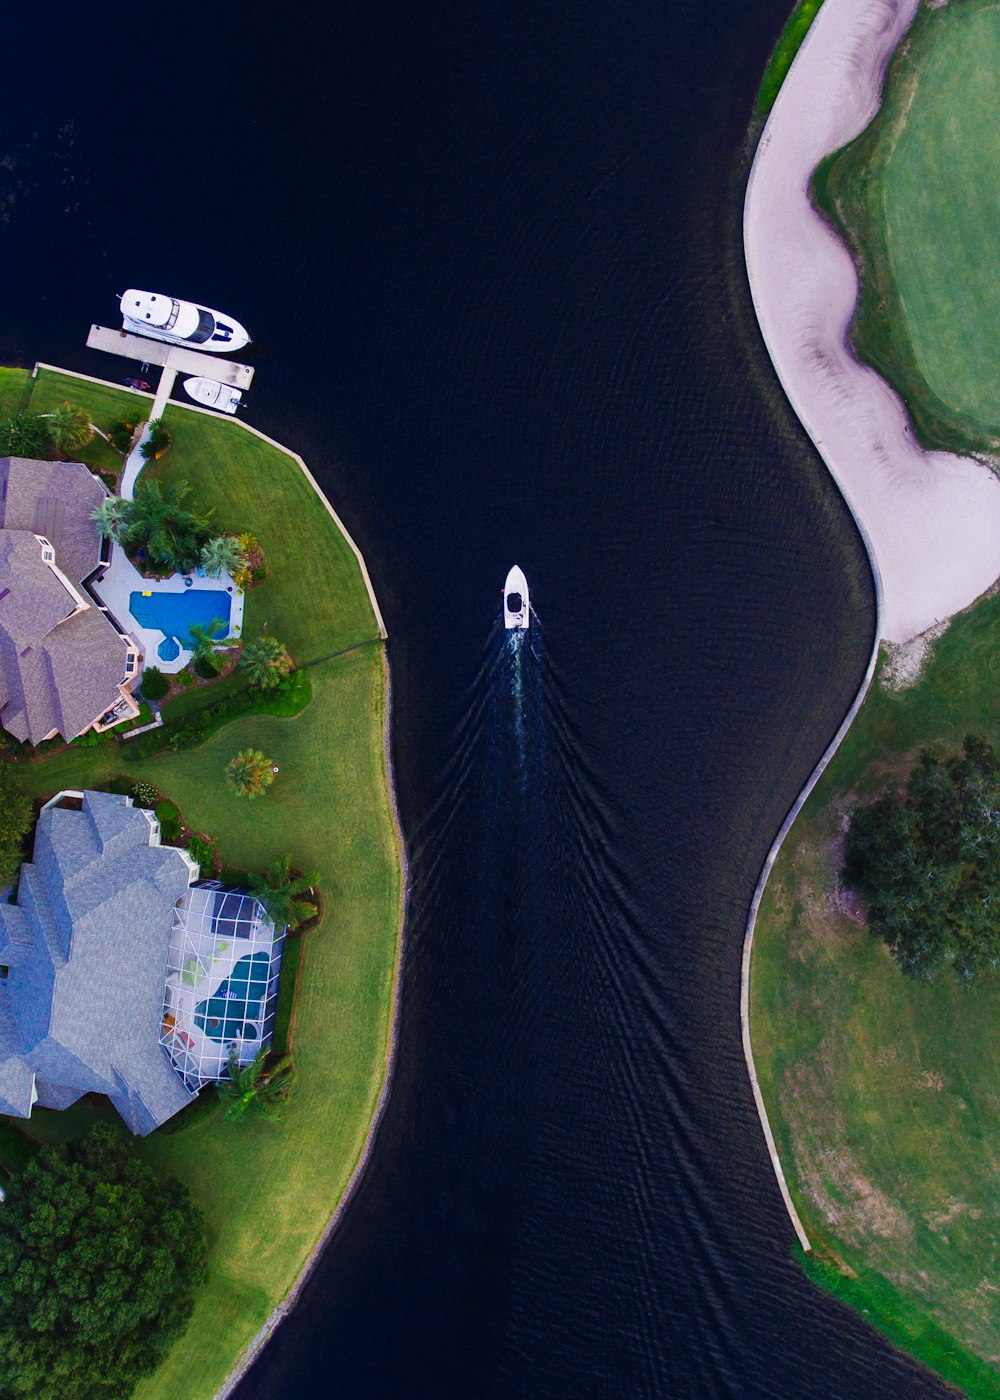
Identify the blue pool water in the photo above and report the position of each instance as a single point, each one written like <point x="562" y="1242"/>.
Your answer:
<point x="173" y="613"/>
<point x="238" y="1000"/>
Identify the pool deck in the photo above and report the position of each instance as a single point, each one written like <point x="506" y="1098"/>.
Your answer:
<point x="121" y="579"/>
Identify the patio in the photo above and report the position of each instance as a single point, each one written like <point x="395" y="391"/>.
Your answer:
<point x="120" y="579"/>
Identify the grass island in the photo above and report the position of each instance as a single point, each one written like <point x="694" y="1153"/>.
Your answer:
<point x="268" y="1190"/>
<point x="877" y="1089"/>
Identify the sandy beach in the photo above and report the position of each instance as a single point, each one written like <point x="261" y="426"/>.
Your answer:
<point x="931" y="520"/>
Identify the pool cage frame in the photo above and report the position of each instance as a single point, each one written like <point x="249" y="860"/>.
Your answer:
<point x="215" y="928"/>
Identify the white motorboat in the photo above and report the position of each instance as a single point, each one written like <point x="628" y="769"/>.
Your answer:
<point x="213" y="394"/>
<point x="181" y="322"/>
<point x="516" y="604"/>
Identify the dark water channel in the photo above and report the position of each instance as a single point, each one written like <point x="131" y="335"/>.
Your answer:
<point x="490" y="253"/>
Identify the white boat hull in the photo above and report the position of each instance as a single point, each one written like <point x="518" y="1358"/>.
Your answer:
<point x="181" y="322"/>
<point x="516" y="602"/>
<point x="213" y="394"/>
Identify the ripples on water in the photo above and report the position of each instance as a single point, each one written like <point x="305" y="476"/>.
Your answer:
<point x="491" y="256"/>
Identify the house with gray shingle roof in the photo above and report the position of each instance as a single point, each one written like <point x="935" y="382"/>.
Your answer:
<point x="65" y="664"/>
<point x="123" y="974"/>
<point x="83" y="958"/>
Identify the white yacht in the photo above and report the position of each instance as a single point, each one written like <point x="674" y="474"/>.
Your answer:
<point x="213" y="394"/>
<point x="181" y="322"/>
<point x="516" y="604"/>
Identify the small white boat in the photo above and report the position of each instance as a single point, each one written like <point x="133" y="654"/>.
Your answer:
<point x="181" y="322"/>
<point x="213" y="394"/>
<point x="516" y="604"/>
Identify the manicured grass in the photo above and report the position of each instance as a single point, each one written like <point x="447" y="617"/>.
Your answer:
<point x="918" y="199"/>
<point x="268" y="1189"/>
<point x="883" y="1092"/>
<point x="103" y="402"/>
<point x="12" y="385"/>
<point x="788" y="45"/>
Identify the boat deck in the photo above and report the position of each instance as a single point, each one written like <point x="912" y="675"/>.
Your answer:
<point x="175" y="357"/>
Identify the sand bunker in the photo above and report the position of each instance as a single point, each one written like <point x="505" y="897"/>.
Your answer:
<point x="931" y="520"/>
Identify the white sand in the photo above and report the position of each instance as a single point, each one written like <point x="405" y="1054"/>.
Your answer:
<point x="931" y="520"/>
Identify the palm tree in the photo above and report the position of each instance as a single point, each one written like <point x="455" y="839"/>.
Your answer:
<point x="111" y="515"/>
<point x="222" y="555"/>
<point x="157" y="441"/>
<point x="69" y="427"/>
<point x="265" y="661"/>
<point x="158" y="522"/>
<point x="202" y="639"/>
<point x="254" y="1087"/>
<point x="281" y="893"/>
<point x="249" y="773"/>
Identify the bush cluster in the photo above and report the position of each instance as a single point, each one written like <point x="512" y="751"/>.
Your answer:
<point x="928" y="863"/>
<point x="145" y="794"/>
<point x="154" y="683"/>
<point x="205" y="853"/>
<point x="100" y="1261"/>
<point x="170" y="823"/>
<point x="288" y="698"/>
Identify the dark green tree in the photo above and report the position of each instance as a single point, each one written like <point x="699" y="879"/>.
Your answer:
<point x="154" y="684"/>
<point x="159" y="439"/>
<point x="257" y="1087"/>
<point x="15" y="821"/>
<point x="99" y="1263"/>
<point x="927" y="862"/>
<point x="158" y="522"/>
<point x="23" y="435"/>
<point x="283" y="894"/>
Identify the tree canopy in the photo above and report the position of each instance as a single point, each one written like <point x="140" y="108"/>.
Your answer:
<point x="927" y="861"/>
<point x="249" y="773"/>
<point x="99" y="1263"/>
<point x="157" y="521"/>
<point x="23" y="435"/>
<point x="265" y="661"/>
<point x="69" y="427"/>
<point x="15" y="820"/>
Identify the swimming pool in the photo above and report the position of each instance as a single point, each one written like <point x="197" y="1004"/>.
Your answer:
<point x="234" y="1013"/>
<point x="173" y="614"/>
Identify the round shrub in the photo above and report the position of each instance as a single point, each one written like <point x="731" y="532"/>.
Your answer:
<point x="144" y="793"/>
<point x="154" y="683"/>
<point x="170" y="822"/>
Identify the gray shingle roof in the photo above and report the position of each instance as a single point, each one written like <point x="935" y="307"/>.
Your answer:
<point x="59" y="667"/>
<point x="82" y="1004"/>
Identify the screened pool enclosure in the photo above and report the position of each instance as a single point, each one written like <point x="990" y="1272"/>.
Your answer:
<point x="222" y="981"/>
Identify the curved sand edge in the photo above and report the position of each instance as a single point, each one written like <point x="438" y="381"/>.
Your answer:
<point x="930" y="520"/>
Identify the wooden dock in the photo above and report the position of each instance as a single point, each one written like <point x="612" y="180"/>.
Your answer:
<point x="171" y="357"/>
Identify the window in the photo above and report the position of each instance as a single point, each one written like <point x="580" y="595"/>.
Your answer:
<point x="48" y="555"/>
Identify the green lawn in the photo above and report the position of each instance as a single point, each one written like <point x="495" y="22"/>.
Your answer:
<point x="917" y="196"/>
<point x="883" y="1093"/>
<point x="12" y="385"/>
<point x="788" y="45"/>
<point x="268" y="1190"/>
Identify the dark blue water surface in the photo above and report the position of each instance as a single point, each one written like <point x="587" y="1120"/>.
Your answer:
<point x="490" y="255"/>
